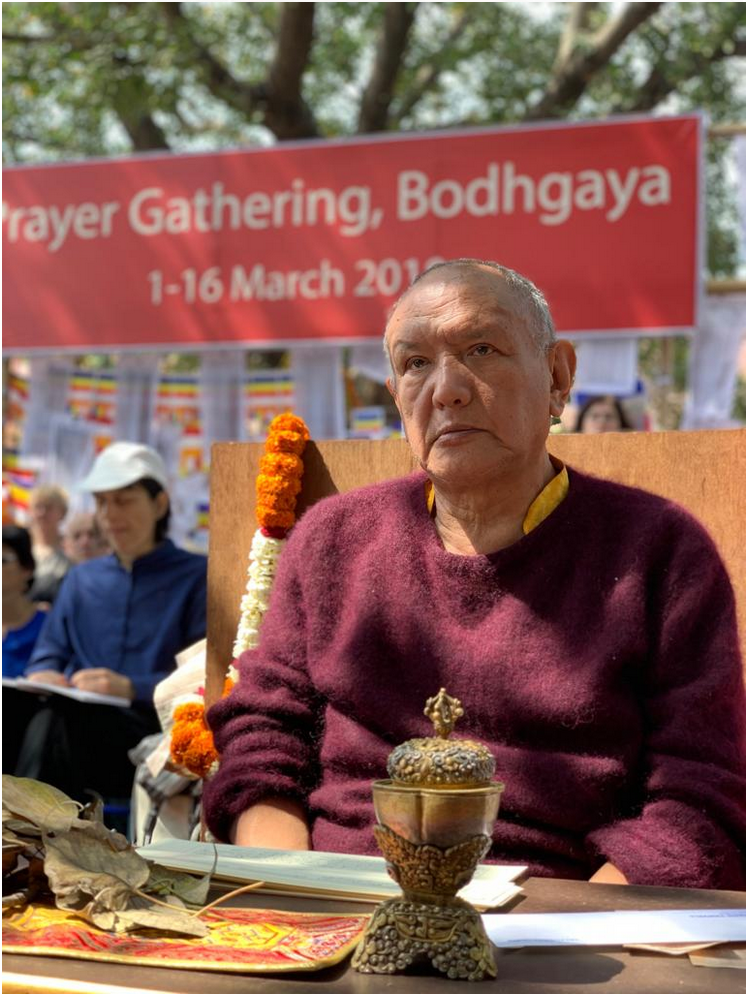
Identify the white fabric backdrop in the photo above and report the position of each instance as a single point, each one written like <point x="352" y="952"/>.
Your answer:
<point x="607" y="366"/>
<point x="137" y="382"/>
<point x="713" y="362"/>
<point x="320" y="390"/>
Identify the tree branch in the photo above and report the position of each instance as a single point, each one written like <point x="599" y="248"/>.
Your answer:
<point x="278" y="99"/>
<point x="144" y="133"/>
<point x="569" y="83"/>
<point x="392" y="44"/>
<point x="26" y="39"/>
<point x="660" y="84"/>
<point x="427" y="75"/>
<point x="287" y="114"/>
<point x="243" y="97"/>
<point x="575" y="25"/>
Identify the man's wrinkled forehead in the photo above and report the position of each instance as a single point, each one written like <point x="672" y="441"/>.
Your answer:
<point x="423" y="302"/>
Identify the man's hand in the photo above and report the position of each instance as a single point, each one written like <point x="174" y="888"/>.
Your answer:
<point x="608" y="874"/>
<point x="49" y="676"/>
<point x="273" y="824"/>
<point x="103" y="681"/>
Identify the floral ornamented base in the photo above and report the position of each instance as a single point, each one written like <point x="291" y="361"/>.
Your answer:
<point x="450" y="935"/>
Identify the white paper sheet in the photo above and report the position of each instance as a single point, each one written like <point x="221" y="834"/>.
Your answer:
<point x="86" y="696"/>
<point x="616" y="928"/>
<point x="356" y="877"/>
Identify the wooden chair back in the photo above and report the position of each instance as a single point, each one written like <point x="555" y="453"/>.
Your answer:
<point x="703" y="471"/>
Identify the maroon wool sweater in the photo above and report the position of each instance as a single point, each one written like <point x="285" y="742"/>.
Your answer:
<point x="597" y="658"/>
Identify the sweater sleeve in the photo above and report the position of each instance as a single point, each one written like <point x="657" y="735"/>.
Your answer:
<point x="690" y="827"/>
<point x="267" y="730"/>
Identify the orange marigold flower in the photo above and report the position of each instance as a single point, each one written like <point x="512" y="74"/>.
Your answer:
<point x="191" y="711"/>
<point x="289" y="422"/>
<point x="276" y="485"/>
<point x="281" y="464"/>
<point x="269" y="518"/>
<point x="277" y="502"/>
<point x="227" y="686"/>
<point x="285" y="441"/>
<point x="181" y="739"/>
<point x="201" y="754"/>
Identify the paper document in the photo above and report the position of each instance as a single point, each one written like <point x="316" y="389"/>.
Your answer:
<point x="616" y="928"/>
<point x="86" y="696"/>
<point x="359" y="878"/>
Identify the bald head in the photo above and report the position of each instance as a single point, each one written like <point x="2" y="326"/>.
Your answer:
<point x="531" y="305"/>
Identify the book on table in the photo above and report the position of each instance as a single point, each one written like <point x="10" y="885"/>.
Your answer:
<point x="319" y="874"/>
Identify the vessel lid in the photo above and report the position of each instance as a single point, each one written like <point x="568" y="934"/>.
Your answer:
<point x="439" y="761"/>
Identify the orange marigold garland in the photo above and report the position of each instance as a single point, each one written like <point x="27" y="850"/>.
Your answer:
<point x="277" y="487"/>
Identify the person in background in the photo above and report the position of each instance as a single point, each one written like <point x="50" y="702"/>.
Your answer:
<point x="115" y="629"/>
<point x="22" y="622"/>
<point x="22" y="619"/>
<point x="82" y="538"/>
<point x="48" y="507"/>
<point x="599" y="414"/>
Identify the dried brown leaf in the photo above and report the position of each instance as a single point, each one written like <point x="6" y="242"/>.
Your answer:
<point x="93" y="811"/>
<point x="141" y="914"/>
<point x="97" y="830"/>
<point x="19" y="826"/>
<point x="38" y="803"/>
<point x="163" y="919"/>
<point x="191" y="890"/>
<point x="81" y="866"/>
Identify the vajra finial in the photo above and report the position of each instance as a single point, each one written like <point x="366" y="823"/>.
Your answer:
<point x="444" y="712"/>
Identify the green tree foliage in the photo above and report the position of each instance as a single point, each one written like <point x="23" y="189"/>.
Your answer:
<point x="97" y="79"/>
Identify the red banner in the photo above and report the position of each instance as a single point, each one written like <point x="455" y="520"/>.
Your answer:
<point x="315" y="240"/>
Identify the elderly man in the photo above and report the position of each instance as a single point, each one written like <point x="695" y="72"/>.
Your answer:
<point x="82" y="538"/>
<point x="587" y="627"/>
<point x="48" y="507"/>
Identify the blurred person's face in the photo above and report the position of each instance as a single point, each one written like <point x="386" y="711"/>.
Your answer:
<point x="601" y="416"/>
<point x="127" y="518"/>
<point x="83" y="539"/>
<point x="474" y="389"/>
<point x="15" y="576"/>
<point x="46" y="514"/>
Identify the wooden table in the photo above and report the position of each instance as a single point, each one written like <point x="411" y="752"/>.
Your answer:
<point x="520" y="971"/>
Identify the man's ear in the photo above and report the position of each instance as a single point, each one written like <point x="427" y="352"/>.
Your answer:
<point x="562" y="363"/>
<point x="391" y="385"/>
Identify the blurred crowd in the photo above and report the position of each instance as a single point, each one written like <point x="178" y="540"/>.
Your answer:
<point x="96" y="605"/>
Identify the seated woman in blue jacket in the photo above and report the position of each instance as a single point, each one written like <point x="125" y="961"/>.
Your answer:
<point x="115" y="629"/>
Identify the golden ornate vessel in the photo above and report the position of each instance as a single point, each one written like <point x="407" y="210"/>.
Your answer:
<point x="435" y="817"/>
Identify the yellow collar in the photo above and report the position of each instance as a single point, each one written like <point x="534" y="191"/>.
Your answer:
<point x="541" y="507"/>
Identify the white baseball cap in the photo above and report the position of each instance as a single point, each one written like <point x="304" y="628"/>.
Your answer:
<point x="121" y="465"/>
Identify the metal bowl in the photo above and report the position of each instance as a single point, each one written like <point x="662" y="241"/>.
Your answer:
<point x="441" y="817"/>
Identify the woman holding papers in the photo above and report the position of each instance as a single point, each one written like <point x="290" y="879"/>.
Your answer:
<point x="115" y="629"/>
<point x="588" y="628"/>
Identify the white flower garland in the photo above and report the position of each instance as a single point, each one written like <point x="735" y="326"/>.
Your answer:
<point x="263" y="558"/>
